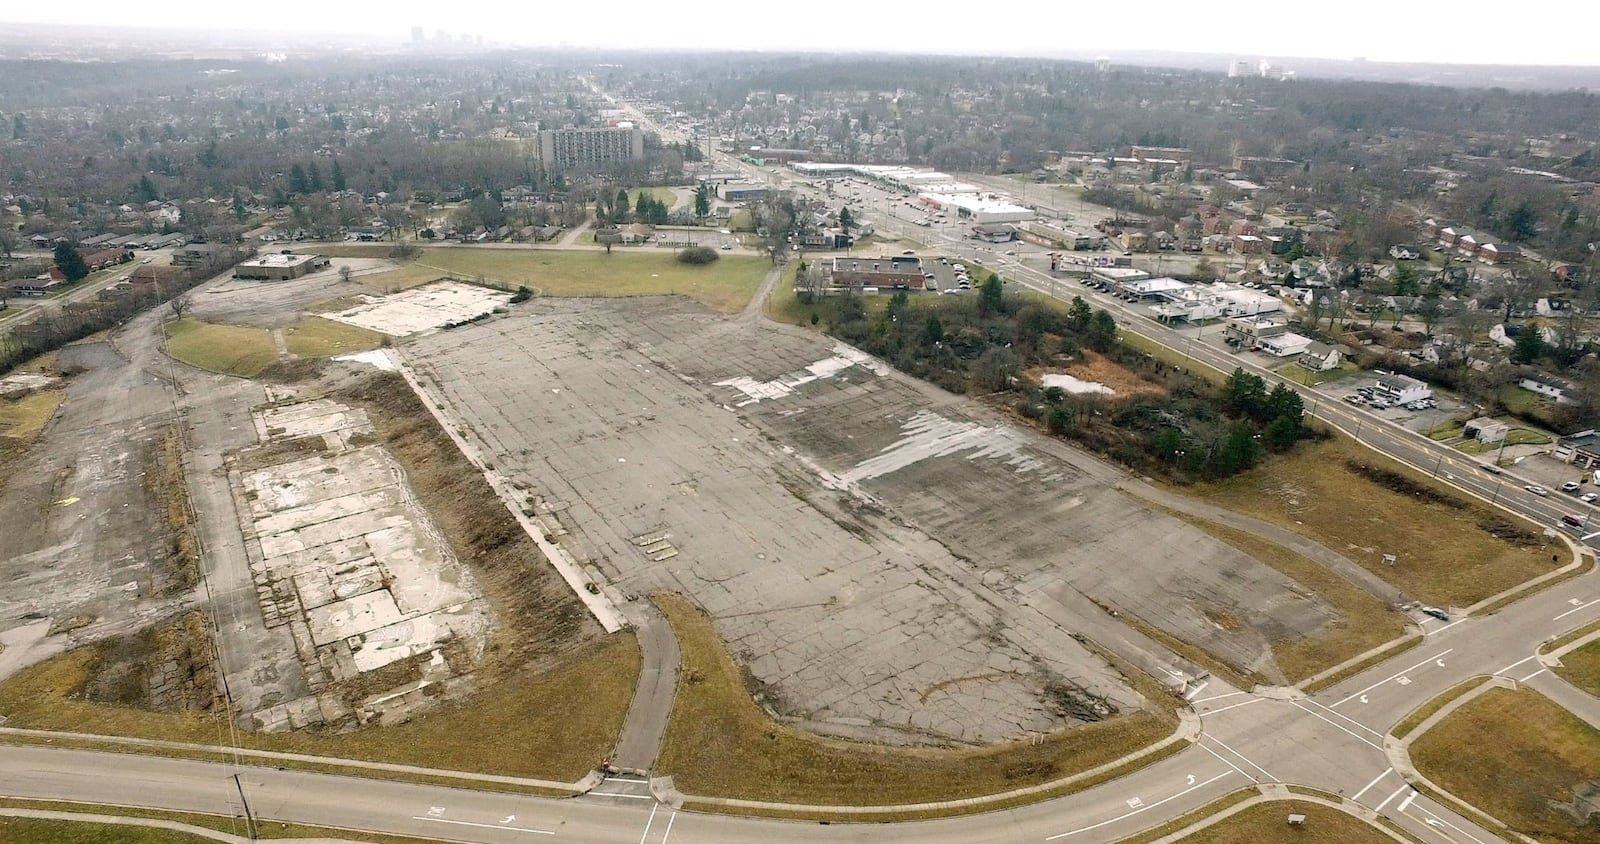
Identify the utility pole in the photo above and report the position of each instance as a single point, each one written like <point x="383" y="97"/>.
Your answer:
<point x="249" y="819"/>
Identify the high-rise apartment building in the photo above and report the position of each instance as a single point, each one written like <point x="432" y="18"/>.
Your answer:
<point x="567" y="149"/>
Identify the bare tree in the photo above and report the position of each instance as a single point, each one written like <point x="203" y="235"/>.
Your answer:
<point x="179" y="305"/>
<point x="346" y="274"/>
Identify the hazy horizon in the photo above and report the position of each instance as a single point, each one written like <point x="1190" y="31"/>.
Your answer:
<point x="1249" y="29"/>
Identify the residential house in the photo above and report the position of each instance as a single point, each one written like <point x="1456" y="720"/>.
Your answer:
<point x="1498" y="253"/>
<point x="1320" y="357"/>
<point x="1404" y="252"/>
<point x="1549" y="386"/>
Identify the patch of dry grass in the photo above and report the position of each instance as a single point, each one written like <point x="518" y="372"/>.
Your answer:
<point x="1362" y="622"/>
<point x="556" y="723"/>
<point x="63" y="831"/>
<point x="724" y="286"/>
<point x="720" y="743"/>
<point x="1512" y="754"/>
<point x="23" y="419"/>
<point x="315" y="337"/>
<point x="228" y="349"/>
<point x="1446" y="556"/>
<point x="1267" y="823"/>
<point x="1581" y="667"/>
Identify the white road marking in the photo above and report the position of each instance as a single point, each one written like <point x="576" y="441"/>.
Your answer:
<point x="1400" y="673"/>
<point x="1533" y="675"/>
<point x="1242" y="757"/>
<point x="1338" y="727"/>
<point x="668" y="833"/>
<point x="1517" y="663"/>
<point x="484" y="825"/>
<point x="649" y="822"/>
<point x="1197" y="689"/>
<point x="1138" y="810"/>
<point x="1191" y="780"/>
<point x="1353" y="721"/>
<point x="1379" y="808"/>
<point x="1218" y="697"/>
<point x="1375" y="781"/>
<point x="1576" y="608"/>
<point x="1235" y="706"/>
<point x="1433" y="820"/>
<point x="435" y="811"/>
<point x="1406" y="802"/>
<point x="1224" y="760"/>
<point x="619" y="794"/>
<point x="1134" y="802"/>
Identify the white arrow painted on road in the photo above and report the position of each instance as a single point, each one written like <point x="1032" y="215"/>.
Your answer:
<point x="1363" y="698"/>
<point x="1439" y="662"/>
<point x="509" y="818"/>
<point x="1434" y="822"/>
<point x="1191" y="780"/>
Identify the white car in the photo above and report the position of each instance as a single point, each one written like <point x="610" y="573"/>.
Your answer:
<point x="1588" y="498"/>
<point x="1536" y="489"/>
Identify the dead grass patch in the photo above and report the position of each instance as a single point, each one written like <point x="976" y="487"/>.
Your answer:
<point x="1581" y="667"/>
<point x="720" y="743"/>
<point x="1100" y="369"/>
<point x="1265" y="823"/>
<point x="1517" y="756"/>
<point x="179" y="572"/>
<point x="1446" y="552"/>
<point x="62" y="832"/>
<point x="550" y="722"/>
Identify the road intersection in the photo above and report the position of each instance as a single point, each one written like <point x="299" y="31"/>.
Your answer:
<point x="1334" y="740"/>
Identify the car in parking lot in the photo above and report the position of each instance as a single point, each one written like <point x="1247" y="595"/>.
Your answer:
<point x="1589" y="498"/>
<point x="1536" y="489"/>
<point x="1571" y="486"/>
<point x="1355" y="399"/>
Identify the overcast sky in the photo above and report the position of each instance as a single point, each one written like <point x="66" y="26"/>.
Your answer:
<point x="1460" y="31"/>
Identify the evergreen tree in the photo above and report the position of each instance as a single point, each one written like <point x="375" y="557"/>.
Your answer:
<point x="1102" y="331"/>
<point x="297" y="180"/>
<point x="146" y="191"/>
<point x="991" y="296"/>
<point x="1079" y="314"/>
<point x="338" y="176"/>
<point x="70" y="262"/>
<point x="702" y="201"/>
<point x="1529" y="346"/>
<point x="847" y="220"/>
<point x="314" y="178"/>
<point x="240" y="212"/>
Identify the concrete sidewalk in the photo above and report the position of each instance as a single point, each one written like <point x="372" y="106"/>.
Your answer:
<point x="646" y="722"/>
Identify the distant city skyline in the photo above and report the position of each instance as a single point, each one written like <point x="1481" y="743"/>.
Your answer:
<point x="1377" y="30"/>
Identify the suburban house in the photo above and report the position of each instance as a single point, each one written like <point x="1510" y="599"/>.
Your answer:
<point x="1404" y="252"/>
<point x="1498" y="253"/>
<point x="1402" y="389"/>
<point x="1548" y="386"/>
<point x="1320" y="357"/>
<point x="1486" y="430"/>
<point x="1286" y="344"/>
<point x="1581" y="449"/>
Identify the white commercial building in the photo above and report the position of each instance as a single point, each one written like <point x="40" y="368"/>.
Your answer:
<point x="1285" y="345"/>
<point x="1244" y="301"/>
<point x="979" y="207"/>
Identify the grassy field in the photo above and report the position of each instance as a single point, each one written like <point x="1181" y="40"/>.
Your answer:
<point x="405" y="277"/>
<point x="1528" y="405"/>
<point x="315" y="337"/>
<point x="1581" y="667"/>
<point x="1267" y="823"/>
<point x="724" y="286"/>
<point x="557" y="724"/>
<point x="229" y="349"/>
<point x="1171" y="356"/>
<point x="665" y="195"/>
<point x="720" y="743"/>
<point x="24" y="419"/>
<point x="1362" y="622"/>
<point x="1511" y="753"/>
<point x="1445" y="554"/>
<point x="33" y="831"/>
<point x="1300" y="375"/>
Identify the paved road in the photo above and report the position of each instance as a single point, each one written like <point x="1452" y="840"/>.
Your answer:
<point x="1332" y="740"/>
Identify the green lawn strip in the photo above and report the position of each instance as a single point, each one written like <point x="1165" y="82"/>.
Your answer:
<point x="903" y="815"/>
<point x="1556" y="644"/>
<point x="724" y="285"/>
<point x="1515" y="755"/>
<point x="315" y="337"/>
<point x="221" y="823"/>
<point x="1424" y="712"/>
<point x="1581" y="667"/>
<point x="228" y="349"/>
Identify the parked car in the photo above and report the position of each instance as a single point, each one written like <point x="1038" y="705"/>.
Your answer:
<point x="1355" y="399"/>
<point x="1588" y="498"/>
<point x="1435" y="612"/>
<point x="1536" y="489"/>
<point x="1571" y="486"/>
